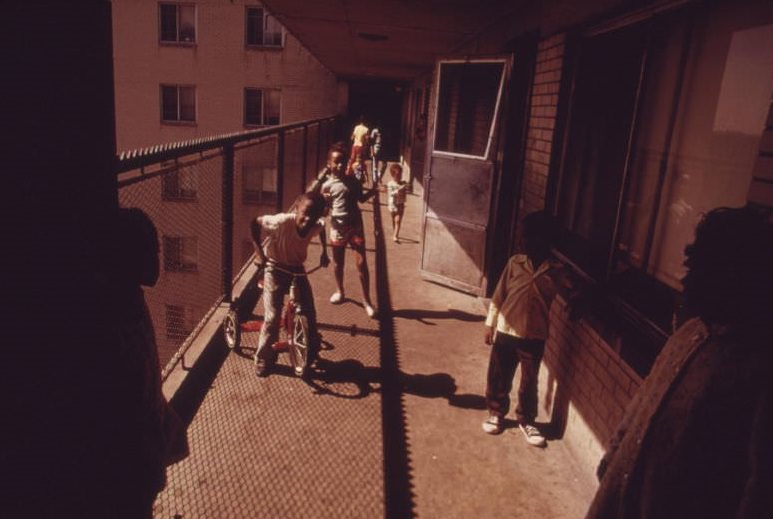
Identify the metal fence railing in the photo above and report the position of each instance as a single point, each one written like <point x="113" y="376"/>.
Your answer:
<point x="201" y="196"/>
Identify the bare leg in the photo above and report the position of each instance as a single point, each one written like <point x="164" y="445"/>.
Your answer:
<point x="339" y="257"/>
<point x="397" y="218"/>
<point x="362" y="268"/>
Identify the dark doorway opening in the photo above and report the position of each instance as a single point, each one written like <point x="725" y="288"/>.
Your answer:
<point x="381" y="103"/>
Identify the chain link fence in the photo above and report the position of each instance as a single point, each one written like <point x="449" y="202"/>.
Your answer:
<point x="202" y="196"/>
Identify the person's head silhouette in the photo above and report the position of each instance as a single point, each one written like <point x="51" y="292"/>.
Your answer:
<point x="729" y="279"/>
<point x="137" y="248"/>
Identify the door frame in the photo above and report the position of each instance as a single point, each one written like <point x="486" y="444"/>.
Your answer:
<point x="491" y="155"/>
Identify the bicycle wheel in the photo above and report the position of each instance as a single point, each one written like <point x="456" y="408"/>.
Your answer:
<point x="232" y="330"/>
<point x="299" y="345"/>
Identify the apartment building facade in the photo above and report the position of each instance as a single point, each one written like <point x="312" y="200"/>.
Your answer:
<point x="189" y="70"/>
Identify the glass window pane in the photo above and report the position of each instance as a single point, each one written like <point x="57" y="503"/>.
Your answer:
<point x="169" y="103"/>
<point x="273" y="32"/>
<point x="188" y="182"/>
<point x="252" y="180"/>
<point x="606" y="83"/>
<point x="648" y="154"/>
<point x="253" y="106"/>
<point x="717" y="141"/>
<point x="272" y="106"/>
<point x="187" y="23"/>
<point x="171" y="253"/>
<point x="254" y="26"/>
<point x="187" y="104"/>
<point x="189" y="252"/>
<point x="168" y="15"/>
<point x="466" y="103"/>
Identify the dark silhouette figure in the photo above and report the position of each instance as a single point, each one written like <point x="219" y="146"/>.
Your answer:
<point x="159" y="438"/>
<point x="696" y="439"/>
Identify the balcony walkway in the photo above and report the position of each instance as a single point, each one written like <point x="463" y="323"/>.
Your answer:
<point x="388" y="426"/>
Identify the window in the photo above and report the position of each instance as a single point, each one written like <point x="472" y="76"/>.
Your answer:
<point x="177" y="23"/>
<point x="468" y="97"/>
<point x="261" y="107"/>
<point x="181" y="253"/>
<point x="659" y="133"/>
<point x="262" y="29"/>
<point x="259" y="183"/>
<point x="179" y="322"/>
<point x="180" y="184"/>
<point x="178" y="103"/>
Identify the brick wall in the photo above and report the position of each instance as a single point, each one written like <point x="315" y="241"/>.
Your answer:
<point x="542" y="122"/>
<point x="585" y="386"/>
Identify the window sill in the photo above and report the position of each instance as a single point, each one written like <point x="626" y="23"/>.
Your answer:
<point x="182" y="270"/>
<point x="258" y="126"/>
<point x="272" y="48"/>
<point x="179" y="123"/>
<point x="183" y="199"/>
<point x="633" y="326"/>
<point x="187" y="44"/>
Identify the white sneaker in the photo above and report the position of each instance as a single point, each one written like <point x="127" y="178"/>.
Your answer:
<point x="532" y="434"/>
<point x="337" y="298"/>
<point x="369" y="310"/>
<point x="492" y="425"/>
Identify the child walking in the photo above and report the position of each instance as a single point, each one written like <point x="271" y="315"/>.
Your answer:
<point x="517" y="327"/>
<point x="396" y="199"/>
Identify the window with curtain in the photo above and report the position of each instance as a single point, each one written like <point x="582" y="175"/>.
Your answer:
<point x="261" y="106"/>
<point x="262" y="29"/>
<point x="178" y="103"/>
<point x="259" y="183"/>
<point x="177" y="23"/>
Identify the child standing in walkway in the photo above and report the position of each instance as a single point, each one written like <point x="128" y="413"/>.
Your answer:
<point x="396" y="199"/>
<point x="358" y="170"/>
<point x="343" y="194"/>
<point x="360" y="136"/>
<point x="517" y="327"/>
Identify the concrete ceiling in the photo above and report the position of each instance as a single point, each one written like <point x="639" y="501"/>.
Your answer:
<point x="386" y="39"/>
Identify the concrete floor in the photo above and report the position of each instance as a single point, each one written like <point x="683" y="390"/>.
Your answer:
<point x="387" y="426"/>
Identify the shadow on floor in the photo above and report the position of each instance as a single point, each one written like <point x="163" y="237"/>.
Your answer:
<point x="422" y="315"/>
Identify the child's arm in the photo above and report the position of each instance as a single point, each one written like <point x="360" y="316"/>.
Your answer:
<point x="365" y="194"/>
<point x="324" y="259"/>
<point x="496" y="302"/>
<point x="316" y="184"/>
<point x="255" y="227"/>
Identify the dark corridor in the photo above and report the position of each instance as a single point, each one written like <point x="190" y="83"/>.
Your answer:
<point x="381" y="103"/>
